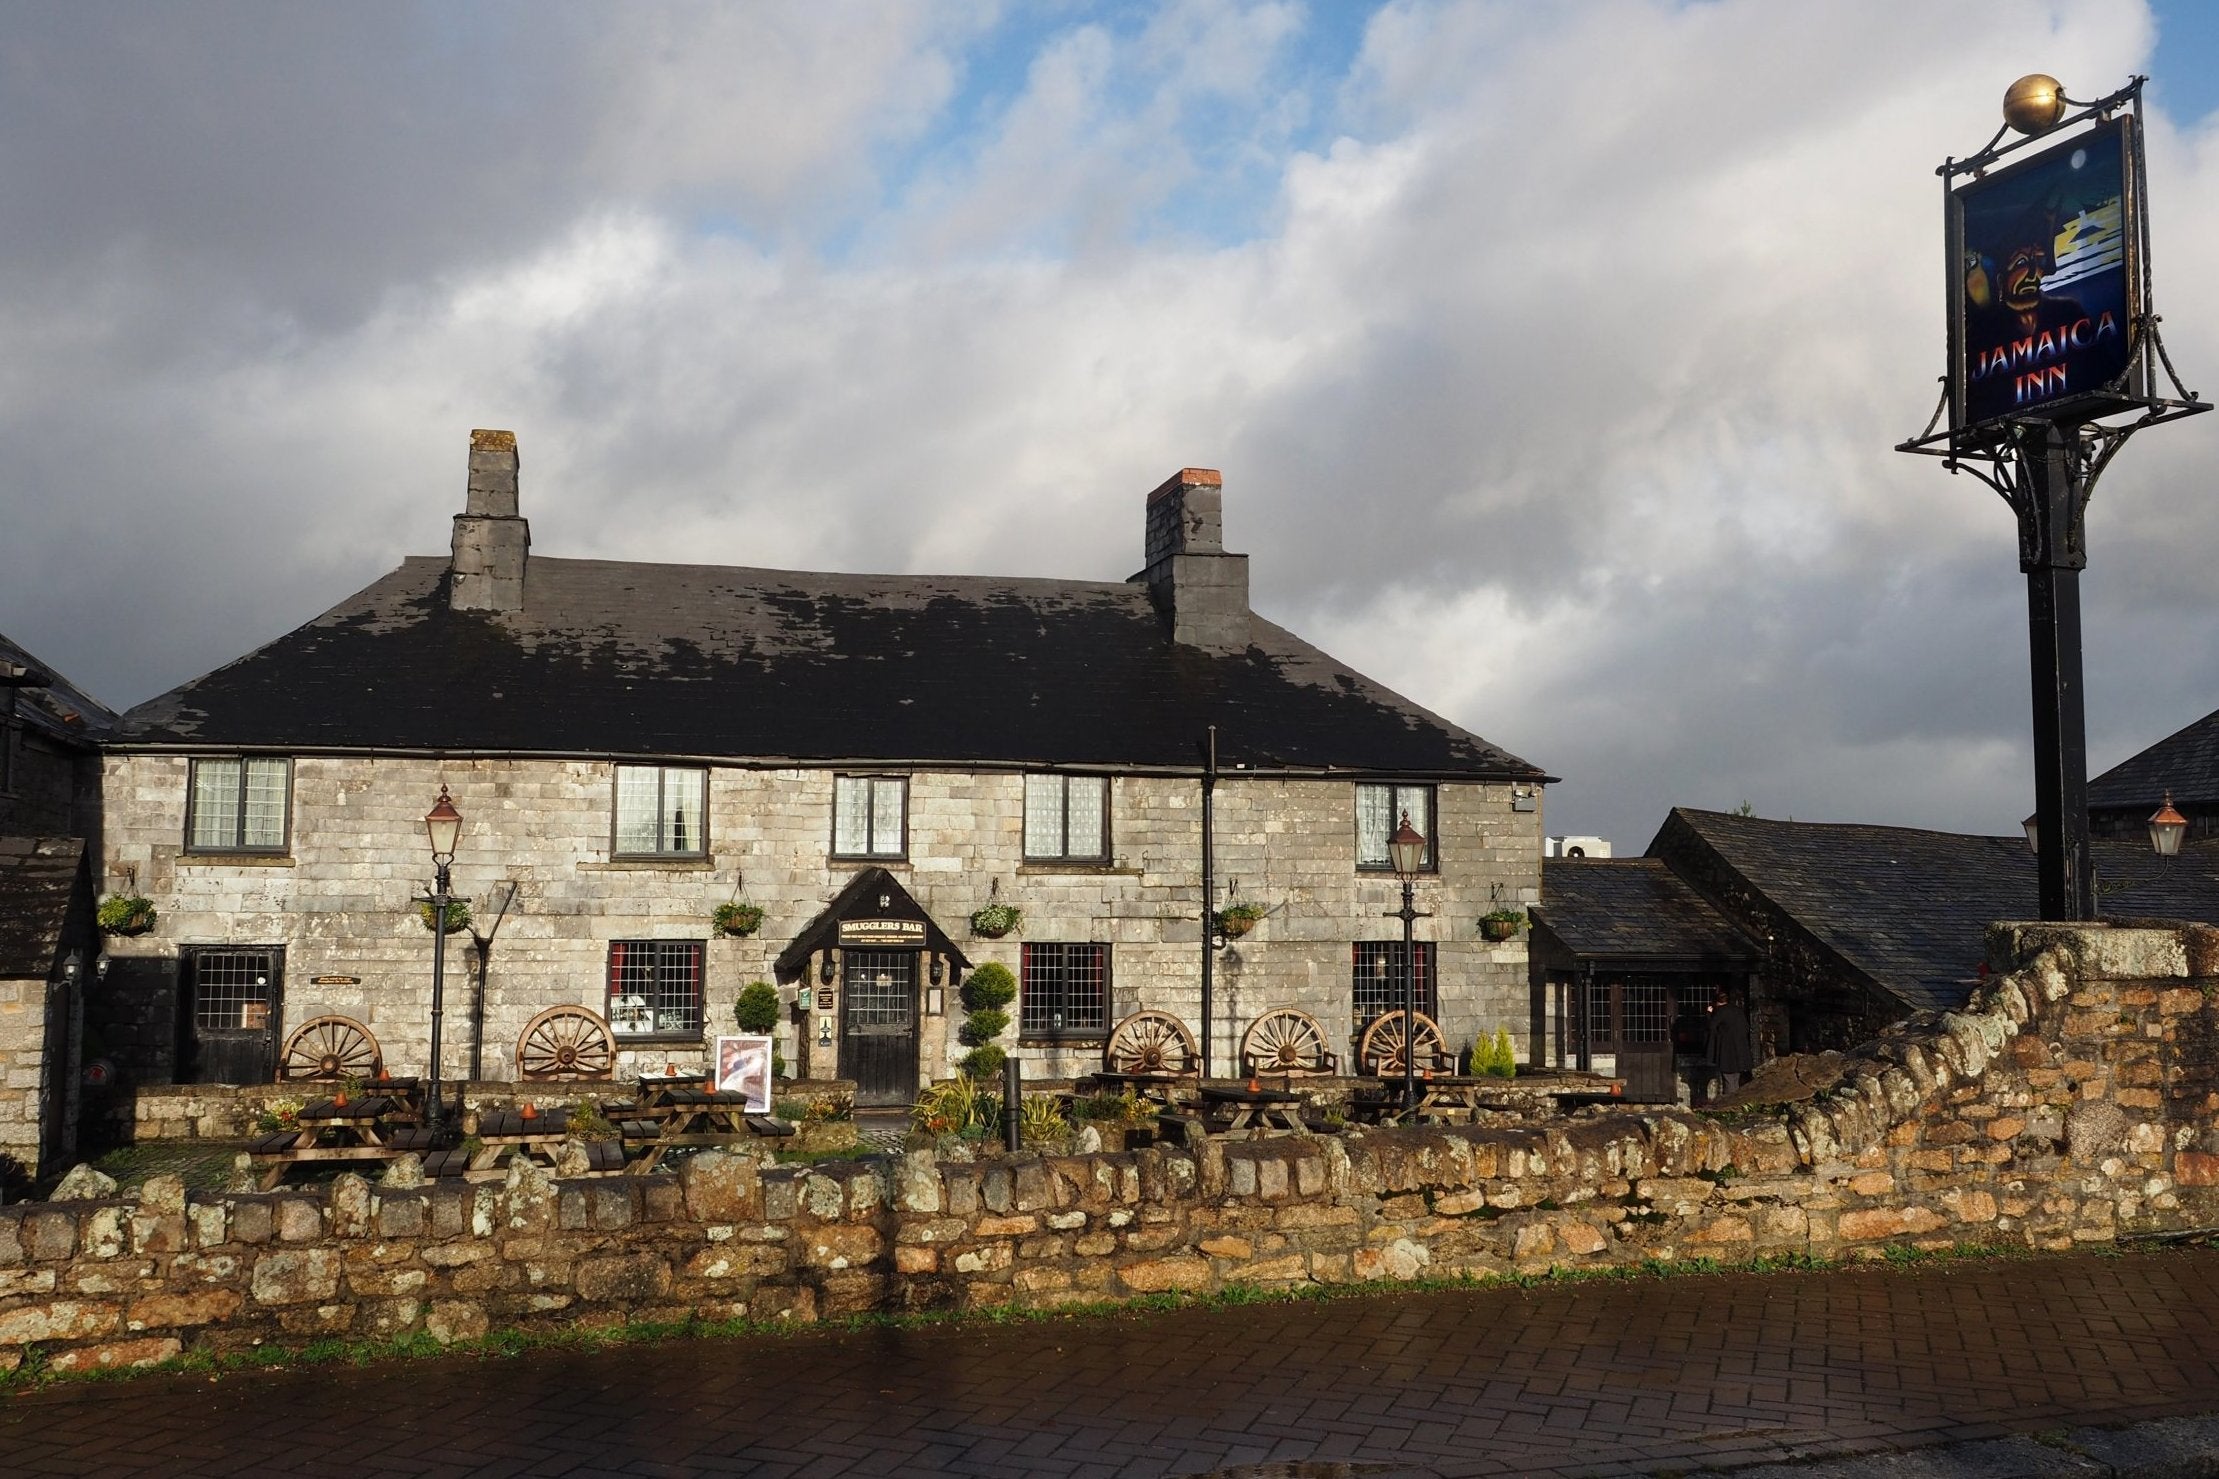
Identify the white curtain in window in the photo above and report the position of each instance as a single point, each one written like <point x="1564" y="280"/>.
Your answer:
<point x="1086" y="797"/>
<point x="851" y="815"/>
<point x="638" y="823"/>
<point x="1043" y="816"/>
<point x="215" y="803"/>
<point x="1375" y="823"/>
<point x="682" y="810"/>
<point x="886" y="819"/>
<point x="265" y="814"/>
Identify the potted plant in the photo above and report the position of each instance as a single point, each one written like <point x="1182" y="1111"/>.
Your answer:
<point x="1238" y="919"/>
<point x="1502" y="924"/>
<point x="125" y="914"/>
<point x="996" y="920"/>
<point x="457" y="914"/>
<point x="737" y="920"/>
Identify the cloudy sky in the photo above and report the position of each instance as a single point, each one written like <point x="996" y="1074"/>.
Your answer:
<point x="1553" y="354"/>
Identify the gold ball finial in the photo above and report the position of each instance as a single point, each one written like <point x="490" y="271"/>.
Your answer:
<point x="2034" y="102"/>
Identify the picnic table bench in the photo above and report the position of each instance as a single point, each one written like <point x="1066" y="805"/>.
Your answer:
<point x="540" y="1135"/>
<point x="360" y="1129"/>
<point x="675" y="1110"/>
<point x="1234" y="1109"/>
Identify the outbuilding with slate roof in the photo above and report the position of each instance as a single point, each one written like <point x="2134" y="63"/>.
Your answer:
<point x="633" y="745"/>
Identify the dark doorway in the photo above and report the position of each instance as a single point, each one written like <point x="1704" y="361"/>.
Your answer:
<point x="1632" y="1019"/>
<point x="234" y="997"/>
<point x="878" y="1029"/>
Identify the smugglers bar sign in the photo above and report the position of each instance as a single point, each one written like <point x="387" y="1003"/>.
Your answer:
<point x="2045" y="283"/>
<point x="888" y="932"/>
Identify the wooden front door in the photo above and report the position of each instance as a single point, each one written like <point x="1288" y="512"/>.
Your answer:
<point x="1632" y="1020"/>
<point x="878" y="1025"/>
<point x="233" y="999"/>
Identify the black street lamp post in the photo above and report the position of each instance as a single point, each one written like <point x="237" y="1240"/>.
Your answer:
<point x="444" y="825"/>
<point x="1406" y="850"/>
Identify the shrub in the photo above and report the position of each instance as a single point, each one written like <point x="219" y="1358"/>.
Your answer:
<point x="1495" y="1057"/>
<point x="985" y="994"/>
<point x="983" y="1064"/>
<point x="757" y="1008"/>
<point x="1041" y="1124"/>
<point x="956" y="1106"/>
<point x="991" y="985"/>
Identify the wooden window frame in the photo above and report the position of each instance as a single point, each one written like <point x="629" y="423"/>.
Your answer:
<point x="871" y="781"/>
<point x="662" y="772"/>
<point x="238" y="848"/>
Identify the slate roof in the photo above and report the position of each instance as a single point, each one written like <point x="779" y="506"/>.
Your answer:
<point x="1910" y="908"/>
<point x="2185" y="763"/>
<point x="57" y="706"/>
<point x="37" y="878"/>
<point x="1635" y="909"/>
<point x="720" y="662"/>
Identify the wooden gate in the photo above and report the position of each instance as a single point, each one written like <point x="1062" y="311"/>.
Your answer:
<point x="234" y="997"/>
<point x="878" y="1025"/>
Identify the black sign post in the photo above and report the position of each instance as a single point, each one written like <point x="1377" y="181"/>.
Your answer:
<point x="2052" y="341"/>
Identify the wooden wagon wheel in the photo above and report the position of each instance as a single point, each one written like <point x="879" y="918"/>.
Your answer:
<point x="1149" y="1042"/>
<point x="328" y="1049"/>
<point x="1284" y="1040"/>
<point x="1386" y="1043"/>
<point x="566" y="1042"/>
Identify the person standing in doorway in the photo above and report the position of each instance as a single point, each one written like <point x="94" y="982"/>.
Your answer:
<point x="1731" y="1056"/>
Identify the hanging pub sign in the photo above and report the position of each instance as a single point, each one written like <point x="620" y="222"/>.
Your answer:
<point x="2046" y="282"/>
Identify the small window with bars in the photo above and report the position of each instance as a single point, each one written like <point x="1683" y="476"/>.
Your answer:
<point x="1064" y="990"/>
<point x="1066" y="818"/>
<point x="660" y="812"/>
<point x="1375" y="983"/>
<point x="231" y="990"/>
<point x="870" y="816"/>
<point x="655" y="988"/>
<point x="238" y="805"/>
<point x="1379" y="811"/>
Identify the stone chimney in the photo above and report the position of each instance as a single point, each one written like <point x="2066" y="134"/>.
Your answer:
<point x="1193" y="581"/>
<point x="491" y="541"/>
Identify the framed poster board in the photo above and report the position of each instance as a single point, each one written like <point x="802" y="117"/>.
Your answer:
<point x="2046" y="284"/>
<point x="744" y="1067"/>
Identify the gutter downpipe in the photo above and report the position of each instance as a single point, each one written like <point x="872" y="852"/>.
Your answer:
<point x="1209" y="882"/>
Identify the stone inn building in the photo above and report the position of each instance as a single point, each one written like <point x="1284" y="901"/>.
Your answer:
<point x="867" y="759"/>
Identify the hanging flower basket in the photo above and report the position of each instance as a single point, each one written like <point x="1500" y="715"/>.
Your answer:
<point x="1238" y="919"/>
<point x="996" y="920"/>
<point x="125" y="914"/>
<point x="458" y="915"/>
<point x="1501" y="924"/>
<point x="737" y="920"/>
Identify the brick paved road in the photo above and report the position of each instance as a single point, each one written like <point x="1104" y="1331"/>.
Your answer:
<point x="1582" y="1379"/>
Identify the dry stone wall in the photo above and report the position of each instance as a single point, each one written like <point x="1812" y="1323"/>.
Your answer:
<point x="2074" y="1100"/>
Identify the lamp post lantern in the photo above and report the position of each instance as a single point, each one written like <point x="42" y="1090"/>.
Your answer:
<point x="2167" y="828"/>
<point x="1406" y="851"/>
<point x="443" y="824"/>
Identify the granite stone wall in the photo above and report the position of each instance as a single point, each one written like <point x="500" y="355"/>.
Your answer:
<point x="2072" y="1101"/>
<point x="339" y="901"/>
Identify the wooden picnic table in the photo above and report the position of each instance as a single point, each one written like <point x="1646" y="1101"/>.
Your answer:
<point x="1164" y="1088"/>
<point x="671" y="1114"/>
<point x="1230" y="1109"/>
<point x="501" y="1133"/>
<point x="361" y="1129"/>
<point x="1457" y="1098"/>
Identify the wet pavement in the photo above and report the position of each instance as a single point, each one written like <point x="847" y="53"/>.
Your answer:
<point x="1673" y="1375"/>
